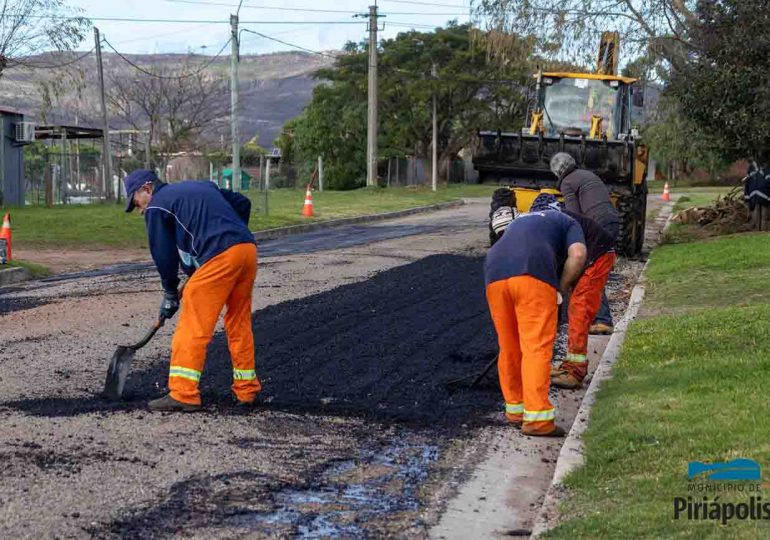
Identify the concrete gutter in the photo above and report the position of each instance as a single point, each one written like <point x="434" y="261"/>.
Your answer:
<point x="278" y="232"/>
<point x="571" y="455"/>
<point x="9" y="276"/>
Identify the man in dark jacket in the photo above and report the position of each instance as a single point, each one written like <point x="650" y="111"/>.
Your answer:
<point x="586" y="296"/>
<point x="585" y="193"/>
<point x="196" y="226"/>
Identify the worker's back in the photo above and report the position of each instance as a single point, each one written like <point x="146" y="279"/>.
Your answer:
<point x="585" y="193"/>
<point x="204" y="222"/>
<point x="534" y="244"/>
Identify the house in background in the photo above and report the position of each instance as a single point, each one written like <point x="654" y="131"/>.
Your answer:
<point x="16" y="133"/>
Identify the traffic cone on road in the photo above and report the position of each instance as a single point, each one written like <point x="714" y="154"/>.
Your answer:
<point x="307" y="210"/>
<point x="5" y="233"/>
<point x="666" y="195"/>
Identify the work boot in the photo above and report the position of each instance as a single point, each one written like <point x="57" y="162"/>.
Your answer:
<point x="601" y="329"/>
<point x="565" y="379"/>
<point x="169" y="404"/>
<point x="244" y="405"/>
<point x="514" y="419"/>
<point x="557" y="432"/>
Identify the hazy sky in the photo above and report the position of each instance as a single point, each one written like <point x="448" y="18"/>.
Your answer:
<point x="301" y="27"/>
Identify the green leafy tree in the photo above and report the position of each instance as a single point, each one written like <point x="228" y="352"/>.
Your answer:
<point x="675" y="139"/>
<point x="570" y="28"/>
<point x="251" y="152"/>
<point x="724" y="87"/>
<point x="471" y="89"/>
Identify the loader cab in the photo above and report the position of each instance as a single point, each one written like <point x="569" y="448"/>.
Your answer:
<point x="583" y="104"/>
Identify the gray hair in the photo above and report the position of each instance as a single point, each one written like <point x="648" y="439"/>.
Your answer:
<point x="561" y="164"/>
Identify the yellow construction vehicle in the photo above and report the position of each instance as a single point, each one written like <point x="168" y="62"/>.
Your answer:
<point x="589" y="116"/>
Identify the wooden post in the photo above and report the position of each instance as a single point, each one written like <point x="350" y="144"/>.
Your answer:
<point x="48" y="184"/>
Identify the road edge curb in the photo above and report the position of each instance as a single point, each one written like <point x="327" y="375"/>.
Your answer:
<point x="9" y="276"/>
<point x="279" y="232"/>
<point x="571" y="454"/>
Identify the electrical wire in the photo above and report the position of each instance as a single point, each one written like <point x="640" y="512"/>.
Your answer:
<point x="178" y="21"/>
<point x="175" y="77"/>
<point x="416" y="3"/>
<point x="260" y="34"/>
<point x="302" y="9"/>
<point x="32" y="65"/>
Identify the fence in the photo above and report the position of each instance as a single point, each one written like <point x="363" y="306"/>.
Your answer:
<point x="411" y="171"/>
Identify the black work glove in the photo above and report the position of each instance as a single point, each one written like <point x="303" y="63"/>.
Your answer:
<point x="170" y="304"/>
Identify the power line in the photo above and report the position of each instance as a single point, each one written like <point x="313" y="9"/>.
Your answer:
<point x="416" y="3"/>
<point x="176" y="77"/>
<point x="260" y="34"/>
<point x="176" y="21"/>
<point x="51" y="66"/>
<point x="301" y="9"/>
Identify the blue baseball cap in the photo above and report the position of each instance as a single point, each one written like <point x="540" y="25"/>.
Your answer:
<point x="134" y="181"/>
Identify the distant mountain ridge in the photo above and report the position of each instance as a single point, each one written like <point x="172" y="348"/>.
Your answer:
<point x="273" y="88"/>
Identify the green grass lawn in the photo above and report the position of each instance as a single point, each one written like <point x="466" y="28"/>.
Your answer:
<point x="107" y="226"/>
<point x="689" y="386"/>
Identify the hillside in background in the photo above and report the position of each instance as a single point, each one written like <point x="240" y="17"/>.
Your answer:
<point x="273" y="88"/>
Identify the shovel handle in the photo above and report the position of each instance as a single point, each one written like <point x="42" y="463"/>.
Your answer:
<point x="155" y="327"/>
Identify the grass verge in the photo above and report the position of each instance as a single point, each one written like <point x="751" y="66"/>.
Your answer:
<point x="35" y="270"/>
<point x="690" y="386"/>
<point x="107" y="226"/>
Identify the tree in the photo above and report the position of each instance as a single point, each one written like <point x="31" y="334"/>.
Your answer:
<point x="724" y="86"/>
<point x="251" y="152"/>
<point x="677" y="141"/>
<point x="572" y="27"/>
<point x="29" y="27"/>
<point x="472" y="91"/>
<point x="174" y="105"/>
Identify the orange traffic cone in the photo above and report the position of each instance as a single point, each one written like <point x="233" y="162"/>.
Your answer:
<point x="307" y="210"/>
<point x="5" y="233"/>
<point x="666" y="195"/>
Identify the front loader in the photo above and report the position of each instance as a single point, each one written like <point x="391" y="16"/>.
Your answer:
<point x="587" y="115"/>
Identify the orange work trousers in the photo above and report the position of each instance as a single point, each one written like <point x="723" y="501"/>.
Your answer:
<point x="226" y="280"/>
<point x="584" y="304"/>
<point x="524" y="311"/>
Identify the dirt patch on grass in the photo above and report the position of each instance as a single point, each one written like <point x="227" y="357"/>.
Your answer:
<point x="72" y="260"/>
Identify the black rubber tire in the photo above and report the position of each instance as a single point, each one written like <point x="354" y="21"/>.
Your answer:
<point x="631" y="209"/>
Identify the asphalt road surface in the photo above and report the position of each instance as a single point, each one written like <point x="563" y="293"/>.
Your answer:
<point x="357" y="331"/>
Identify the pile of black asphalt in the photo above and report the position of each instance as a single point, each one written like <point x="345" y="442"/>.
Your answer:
<point x="383" y="348"/>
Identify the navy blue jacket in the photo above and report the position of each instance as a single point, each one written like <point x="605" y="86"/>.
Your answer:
<point x="188" y="224"/>
<point x="534" y="244"/>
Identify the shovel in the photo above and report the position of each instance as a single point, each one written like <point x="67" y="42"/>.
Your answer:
<point x="117" y="371"/>
<point x="456" y="384"/>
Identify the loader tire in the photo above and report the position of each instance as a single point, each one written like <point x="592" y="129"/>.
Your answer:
<point x="631" y="212"/>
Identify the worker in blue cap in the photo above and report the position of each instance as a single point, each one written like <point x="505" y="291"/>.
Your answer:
<point x="195" y="226"/>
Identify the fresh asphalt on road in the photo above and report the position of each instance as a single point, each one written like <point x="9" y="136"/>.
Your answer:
<point x="357" y="331"/>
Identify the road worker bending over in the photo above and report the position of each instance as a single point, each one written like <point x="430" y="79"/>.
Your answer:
<point x="586" y="194"/>
<point x="586" y="296"/>
<point x="523" y="285"/>
<point x="203" y="229"/>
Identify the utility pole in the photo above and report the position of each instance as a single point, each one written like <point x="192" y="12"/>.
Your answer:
<point x="371" y="147"/>
<point x="106" y="155"/>
<point x="435" y="133"/>
<point x="320" y="173"/>
<point x="234" y="103"/>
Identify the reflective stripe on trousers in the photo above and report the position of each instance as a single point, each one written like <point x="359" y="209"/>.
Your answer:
<point x="244" y="374"/>
<point x="185" y="373"/>
<point x="539" y="416"/>
<point x="573" y="357"/>
<point x="514" y="408"/>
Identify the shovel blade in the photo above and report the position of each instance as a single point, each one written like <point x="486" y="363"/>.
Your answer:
<point x="117" y="373"/>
